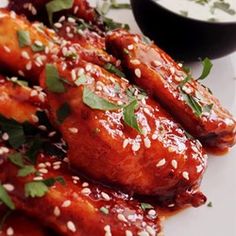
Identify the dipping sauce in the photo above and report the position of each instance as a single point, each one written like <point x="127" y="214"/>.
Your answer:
<point x="206" y="10"/>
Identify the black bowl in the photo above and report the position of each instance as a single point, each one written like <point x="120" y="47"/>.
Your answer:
<point x="184" y="38"/>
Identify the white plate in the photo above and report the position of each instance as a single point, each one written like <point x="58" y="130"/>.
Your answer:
<point x="219" y="183"/>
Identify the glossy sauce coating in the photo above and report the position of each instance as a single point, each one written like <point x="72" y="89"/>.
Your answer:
<point x="152" y="69"/>
<point x="161" y="161"/>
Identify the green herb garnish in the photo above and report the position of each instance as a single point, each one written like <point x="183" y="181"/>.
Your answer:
<point x="114" y="70"/>
<point x="57" y="6"/>
<point x="63" y="112"/>
<point x="207" y="66"/>
<point x="53" y="81"/>
<point x="104" y="210"/>
<point x="37" y="48"/>
<point x="23" y="38"/>
<point x="146" y="206"/>
<point x="81" y="80"/>
<point x="5" y="198"/>
<point x="35" y="189"/>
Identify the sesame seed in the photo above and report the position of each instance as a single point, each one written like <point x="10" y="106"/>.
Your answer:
<point x="73" y="130"/>
<point x="62" y="18"/>
<point x="34" y="93"/>
<point x="25" y="55"/>
<point x="21" y="73"/>
<point x="147" y="142"/>
<point x="150" y="230"/>
<point x="143" y="233"/>
<point x="85" y="184"/>
<point x="157" y="63"/>
<point x="130" y="47"/>
<point x="56" y="167"/>
<point x="41" y="165"/>
<point x="121" y="217"/>
<point x="71" y="226"/>
<point x="105" y="196"/>
<point x="57" y="163"/>
<point x="12" y="14"/>
<point x="88" y="67"/>
<point x="7" y="49"/>
<point x="135" y="62"/>
<point x="172" y="70"/>
<point x="138" y="73"/>
<point x="10" y="231"/>
<point x="162" y="162"/>
<point x="58" y="25"/>
<point x="76" y="9"/>
<point x="107" y="229"/>
<point x="199" y="168"/>
<point x="174" y="163"/>
<point x="71" y="20"/>
<point x="43" y="171"/>
<point x="56" y="211"/>
<point x="5" y="136"/>
<point x="152" y="213"/>
<point x="125" y="143"/>
<point x="9" y="187"/>
<point x="28" y="66"/>
<point x="135" y="146"/>
<point x="154" y="136"/>
<point x="128" y="233"/>
<point x="186" y="175"/>
<point x="66" y="203"/>
<point x="86" y="191"/>
<point x="51" y="134"/>
<point x="75" y="178"/>
<point x="38" y="178"/>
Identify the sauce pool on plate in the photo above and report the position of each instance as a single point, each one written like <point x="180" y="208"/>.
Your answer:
<point x="206" y="10"/>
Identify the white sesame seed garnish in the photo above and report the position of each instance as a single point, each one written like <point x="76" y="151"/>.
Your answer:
<point x="135" y="146"/>
<point x="5" y="136"/>
<point x="199" y="168"/>
<point x="41" y="165"/>
<point x="107" y="229"/>
<point x="135" y="62"/>
<point x="88" y="67"/>
<point x="75" y="178"/>
<point x="157" y="63"/>
<point x="86" y="191"/>
<point x="10" y="231"/>
<point x="25" y="55"/>
<point x="130" y="47"/>
<point x="152" y="213"/>
<point x="186" y="175"/>
<point x="125" y="143"/>
<point x="143" y="233"/>
<point x="62" y="18"/>
<point x="174" y="163"/>
<point x="71" y="20"/>
<point x="121" y="217"/>
<point x="9" y="187"/>
<point x="162" y="162"/>
<point x="12" y="14"/>
<point x="128" y="233"/>
<point x="76" y="9"/>
<point x="21" y="73"/>
<point x="28" y="66"/>
<point x="71" y="226"/>
<point x="85" y="184"/>
<point x="73" y="130"/>
<point x="150" y="230"/>
<point x="105" y="196"/>
<point x="58" y="25"/>
<point x="66" y="203"/>
<point x="172" y="70"/>
<point x="57" y="211"/>
<point x="147" y="142"/>
<point x="57" y="167"/>
<point x="38" y="178"/>
<point x="138" y="73"/>
<point x="43" y="171"/>
<point x="7" y="49"/>
<point x="35" y="118"/>
<point x="154" y="137"/>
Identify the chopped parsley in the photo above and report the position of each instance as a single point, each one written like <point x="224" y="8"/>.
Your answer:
<point x="63" y="112"/>
<point x="114" y="70"/>
<point x="146" y="206"/>
<point x="23" y="38"/>
<point x="57" y="6"/>
<point x="5" y="198"/>
<point x="53" y="80"/>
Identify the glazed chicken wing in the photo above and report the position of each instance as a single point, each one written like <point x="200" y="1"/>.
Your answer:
<point x="76" y="208"/>
<point x="153" y="70"/>
<point x="133" y="143"/>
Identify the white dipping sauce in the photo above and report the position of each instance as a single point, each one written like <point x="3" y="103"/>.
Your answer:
<point x="213" y="10"/>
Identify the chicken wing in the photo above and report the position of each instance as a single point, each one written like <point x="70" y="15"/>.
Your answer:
<point x="161" y="160"/>
<point x="153" y="70"/>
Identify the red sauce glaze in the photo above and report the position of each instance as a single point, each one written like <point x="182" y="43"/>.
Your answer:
<point x="160" y="76"/>
<point x="162" y="161"/>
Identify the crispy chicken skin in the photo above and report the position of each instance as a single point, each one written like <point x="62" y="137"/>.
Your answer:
<point x="26" y="62"/>
<point x="77" y="207"/>
<point x="152" y="69"/>
<point x="18" y="224"/>
<point x="160" y="162"/>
